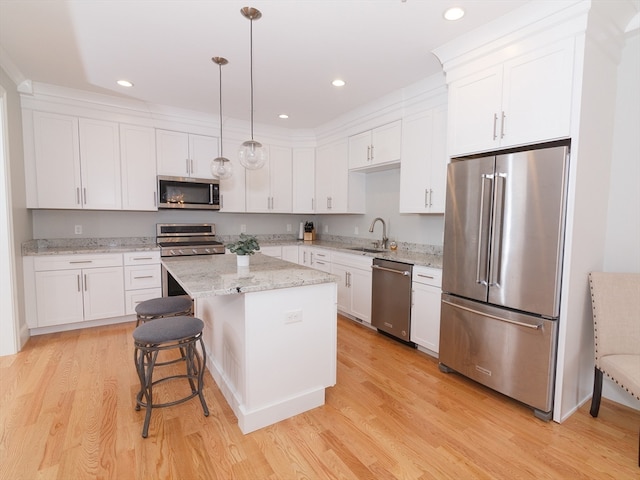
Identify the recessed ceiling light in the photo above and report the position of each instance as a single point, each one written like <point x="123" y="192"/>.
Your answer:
<point x="338" y="83"/>
<point x="125" y="83"/>
<point x="454" y="13"/>
<point x="283" y="115"/>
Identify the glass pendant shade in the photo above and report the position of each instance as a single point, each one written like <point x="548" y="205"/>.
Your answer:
<point x="252" y="155"/>
<point x="222" y="168"/>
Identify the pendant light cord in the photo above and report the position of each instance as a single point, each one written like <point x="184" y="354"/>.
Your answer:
<point x="251" y="69"/>
<point x="220" y="92"/>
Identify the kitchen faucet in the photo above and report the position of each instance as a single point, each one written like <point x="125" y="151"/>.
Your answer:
<point x="384" y="231"/>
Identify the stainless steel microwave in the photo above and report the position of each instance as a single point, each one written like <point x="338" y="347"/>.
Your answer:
<point x="188" y="193"/>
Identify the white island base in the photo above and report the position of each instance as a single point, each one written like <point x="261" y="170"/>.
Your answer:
<point x="272" y="352"/>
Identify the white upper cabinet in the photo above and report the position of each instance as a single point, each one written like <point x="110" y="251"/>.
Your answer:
<point x="377" y="147"/>
<point x="524" y="100"/>
<point x="269" y="189"/>
<point x="77" y="162"/>
<point x="138" y="165"/>
<point x="423" y="168"/>
<point x="185" y="155"/>
<point x="304" y="177"/>
<point x="57" y="161"/>
<point x="338" y="190"/>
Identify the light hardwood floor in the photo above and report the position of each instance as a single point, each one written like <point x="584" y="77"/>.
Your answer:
<point x="66" y="412"/>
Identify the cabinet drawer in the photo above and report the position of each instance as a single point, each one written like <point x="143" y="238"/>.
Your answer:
<point x="142" y="276"/>
<point x="141" y="258"/>
<point x="427" y="276"/>
<point x="68" y="262"/>
<point x="134" y="297"/>
<point x="362" y="262"/>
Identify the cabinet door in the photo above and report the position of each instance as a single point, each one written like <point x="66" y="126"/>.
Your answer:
<point x="536" y="97"/>
<point x="138" y="164"/>
<point x="59" y="297"/>
<point x="360" y="150"/>
<point x="324" y="177"/>
<point x="100" y="164"/>
<point x="344" y="292"/>
<point x="138" y="277"/>
<point x="417" y="136"/>
<point x="57" y="159"/>
<point x="336" y="173"/>
<point x="272" y="251"/>
<point x="474" y="107"/>
<point x="258" y="191"/>
<point x="438" y="161"/>
<point x="386" y="142"/>
<point x="103" y="291"/>
<point x="232" y="190"/>
<point x="280" y="179"/>
<point x="425" y="316"/>
<point x="172" y="153"/>
<point x="360" y="286"/>
<point x="304" y="256"/>
<point x="202" y="150"/>
<point x="290" y="253"/>
<point x="303" y="180"/>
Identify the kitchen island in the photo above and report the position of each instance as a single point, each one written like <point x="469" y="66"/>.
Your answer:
<point x="270" y="332"/>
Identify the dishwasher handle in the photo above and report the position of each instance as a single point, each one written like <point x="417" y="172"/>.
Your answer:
<point x="406" y="273"/>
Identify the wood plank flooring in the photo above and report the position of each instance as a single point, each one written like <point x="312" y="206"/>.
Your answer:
<point x="66" y="412"/>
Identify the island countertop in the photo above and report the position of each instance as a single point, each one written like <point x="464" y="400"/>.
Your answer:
<point x="208" y="275"/>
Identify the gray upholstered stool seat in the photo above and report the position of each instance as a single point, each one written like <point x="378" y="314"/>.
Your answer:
<point x="163" y="307"/>
<point x="168" y="333"/>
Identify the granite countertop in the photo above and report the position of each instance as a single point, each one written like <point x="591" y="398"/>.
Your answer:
<point x="208" y="275"/>
<point x="69" y="246"/>
<point x="421" y="258"/>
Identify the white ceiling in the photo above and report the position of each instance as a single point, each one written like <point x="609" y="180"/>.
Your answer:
<point x="165" y="48"/>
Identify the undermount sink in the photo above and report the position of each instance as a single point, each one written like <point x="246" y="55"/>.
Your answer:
<point x="366" y="250"/>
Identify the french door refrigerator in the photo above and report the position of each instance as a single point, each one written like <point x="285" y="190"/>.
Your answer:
<point x="503" y="244"/>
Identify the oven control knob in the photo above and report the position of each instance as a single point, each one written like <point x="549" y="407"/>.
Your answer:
<point x="195" y="252"/>
<point x="181" y="252"/>
<point x="207" y="250"/>
<point x="172" y="252"/>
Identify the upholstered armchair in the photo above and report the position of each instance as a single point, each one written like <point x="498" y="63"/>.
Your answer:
<point x="615" y="300"/>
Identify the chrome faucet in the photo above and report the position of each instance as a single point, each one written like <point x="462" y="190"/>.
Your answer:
<point x="384" y="231"/>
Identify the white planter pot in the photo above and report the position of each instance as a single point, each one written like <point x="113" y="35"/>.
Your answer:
<point x="243" y="260"/>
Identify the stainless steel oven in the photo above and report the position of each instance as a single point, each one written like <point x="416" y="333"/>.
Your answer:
<point x="181" y="239"/>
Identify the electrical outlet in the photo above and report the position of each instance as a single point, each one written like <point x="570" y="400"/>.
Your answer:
<point x="78" y="230"/>
<point x="293" y="316"/>
<point x="243" y="228"/>
<point x="356" y="231"/>
<point x="288" y="227"/>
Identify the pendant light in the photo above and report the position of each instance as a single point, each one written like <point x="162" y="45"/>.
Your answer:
<point x="252" y="154"/>
<point x="221" y="166"/>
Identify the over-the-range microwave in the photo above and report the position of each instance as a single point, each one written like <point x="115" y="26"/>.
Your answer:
<point x="188" y="193"/>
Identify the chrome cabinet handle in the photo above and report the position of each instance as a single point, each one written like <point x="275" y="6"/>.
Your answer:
<point x="84" y="190"/>
<point x="142" y="258"/>
<point x="78" y="277"/>
<point x="495" y="124"/>
<point x="426" y="197"/>
<point x="187" y="165"/>
<point x="81" y="261"/>
<point x="85" y="282"/>
<point x="78" y="195"/>
<point x="425" y="276"/>
<point x="368" y="152"/>
<point x="145" y="276"/>
<point x="502" y="125"/>
<point x="191" y="171"/>
<point x="371" y="153"/>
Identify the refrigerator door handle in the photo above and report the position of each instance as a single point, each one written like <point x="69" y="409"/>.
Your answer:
<point x="482" y="245"/>
<point x="537" y="326"/>
<point x="497" y="229"/>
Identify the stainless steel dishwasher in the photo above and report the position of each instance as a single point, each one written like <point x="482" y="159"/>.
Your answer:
<point x="391" y="298"/>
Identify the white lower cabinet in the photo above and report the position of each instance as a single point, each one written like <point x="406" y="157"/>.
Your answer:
<point x="142" y="278"/>
<point x="272" y="251"/>
<point x="354" y="286"/>
<point x="425" y="307"/>
<point x="75" y="288"/>
<point x="290" y="253"/>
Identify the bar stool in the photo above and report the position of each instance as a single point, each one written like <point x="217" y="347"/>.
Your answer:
<point x="163" y="307"/>
<point x="151" y="338"/>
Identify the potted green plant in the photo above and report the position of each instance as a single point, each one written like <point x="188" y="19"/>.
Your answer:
<point x="245" y="246"/>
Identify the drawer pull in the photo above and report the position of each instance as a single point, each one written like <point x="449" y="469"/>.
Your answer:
<point x="426" y="276"/>
<point x="81" y="261"/>
<point x="143" y="258"/>
<point x="146" y="276"/>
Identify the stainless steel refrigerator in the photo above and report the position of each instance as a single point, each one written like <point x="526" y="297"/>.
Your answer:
<point x="502" y="268"/>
